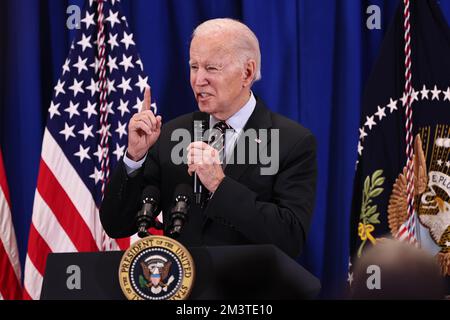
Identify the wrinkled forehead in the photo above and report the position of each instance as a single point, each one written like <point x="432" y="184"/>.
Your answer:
<point x="211" y="49"/>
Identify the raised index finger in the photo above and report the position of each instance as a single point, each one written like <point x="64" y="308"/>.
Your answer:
<point x="147" y="99"/>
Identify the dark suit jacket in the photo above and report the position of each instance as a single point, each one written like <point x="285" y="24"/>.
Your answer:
<point x="247" y="207"/>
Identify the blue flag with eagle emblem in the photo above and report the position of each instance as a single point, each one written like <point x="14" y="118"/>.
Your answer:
<point x="379" y="206"/>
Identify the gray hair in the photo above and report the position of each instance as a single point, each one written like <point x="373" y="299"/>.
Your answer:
<point x="246" y="44"/>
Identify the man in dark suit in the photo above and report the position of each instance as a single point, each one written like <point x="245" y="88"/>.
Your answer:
<point x="246" y="204"/>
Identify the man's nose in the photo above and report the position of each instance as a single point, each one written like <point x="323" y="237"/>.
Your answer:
<point x="201" y="78"/>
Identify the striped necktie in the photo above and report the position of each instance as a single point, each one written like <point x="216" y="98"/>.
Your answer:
<point x="217" y="139"/>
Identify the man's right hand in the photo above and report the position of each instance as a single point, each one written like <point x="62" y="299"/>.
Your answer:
<point x="143" y="130"/>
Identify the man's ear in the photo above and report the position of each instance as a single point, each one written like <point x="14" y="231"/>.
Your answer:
<point x="249" y="72"/>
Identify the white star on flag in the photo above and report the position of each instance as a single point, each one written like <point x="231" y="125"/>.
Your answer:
<point x="104" y="129"/>
<point x="139" y="63"/>
<point x="360" y="148"/>
<point x="435" y="93"/>
<point x="72" y="109"/>
<point x="362" y="133"/>
<point x="54" y="109"/>
<point x="99" y="153"/>
<point x="110" y="85"/>
<point x="142" y="83"/>
<point x="126" y="62"/>
<point x="123" y="107"/>
<point x="446" y="94"/>
<point x="81" y="65"/>
<point x="109" y="108"/>
<point x="86" y="132"/>
<point x="121" y="129"/>
<point x="424" y="92"/>
<point x="113" y="41"/>
<point x="127" y="40"/>
<point x="76" y="87"/>
<point x="66" y="66"/>
<point x="67" y="131"/>
<point x="120" y="150"/>
<point x="380" y="113"/>
<point x="370" y="122"/>
<point x="393" y="105"/>
<point x="85" y="42"/>
<point x="88" y="20"/>
<point x="125" y="85"/>
<point x="97" y="175"/>
<point x="83" y="153"/>
<point x="350" y="278"/>
<point x="93" y="87"/>
<point x="112" y="64"/>
<point x="95" y="65"/>
<point x="112" y="18"/>
<point x="414" y="95"/>
<point x="90" y="109"/>
<point x="59" y="88"/>
<point x="138" y="105"/>
<point x="403" y="99"/>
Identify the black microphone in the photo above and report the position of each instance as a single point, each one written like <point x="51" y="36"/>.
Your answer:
<point x="146" y="216"/>
<point x="201" y="124"/>
<point x="179" y="214"/>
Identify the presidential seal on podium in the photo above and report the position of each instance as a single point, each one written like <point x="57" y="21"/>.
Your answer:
<point x="156" y="268"/>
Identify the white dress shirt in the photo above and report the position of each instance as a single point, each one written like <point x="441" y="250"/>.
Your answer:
<point x="237" y="122"/>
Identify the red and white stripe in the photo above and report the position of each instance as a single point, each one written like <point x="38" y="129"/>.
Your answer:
<point x="10" y="274"/>
<point x="65" y="216"/>
<point x="407" y="231"/>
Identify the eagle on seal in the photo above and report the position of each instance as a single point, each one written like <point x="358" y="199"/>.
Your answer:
<point x="157" y="276"/>
<point x="433" y="207"/>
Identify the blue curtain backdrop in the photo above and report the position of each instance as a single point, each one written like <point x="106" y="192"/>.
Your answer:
<point x="316" y="57"/>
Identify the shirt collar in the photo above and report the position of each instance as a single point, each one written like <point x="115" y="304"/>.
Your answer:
<point x="238" y="120"/>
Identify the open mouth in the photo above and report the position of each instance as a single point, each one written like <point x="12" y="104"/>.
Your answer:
<point x="203" y="96"/>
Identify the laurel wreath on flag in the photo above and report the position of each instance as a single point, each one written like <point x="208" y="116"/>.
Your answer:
<point x="369" y="215"/>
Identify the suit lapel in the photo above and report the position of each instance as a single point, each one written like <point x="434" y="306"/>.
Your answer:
<point x="260" y="119"/>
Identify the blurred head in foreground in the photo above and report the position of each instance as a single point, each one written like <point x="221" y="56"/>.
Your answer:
<point x="396" y="270"/>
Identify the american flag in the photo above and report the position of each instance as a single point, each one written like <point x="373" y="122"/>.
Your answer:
<point x="86" y="135"/>
<point x="10" y="287"/>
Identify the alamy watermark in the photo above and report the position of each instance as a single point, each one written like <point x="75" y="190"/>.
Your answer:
<point x="74" y="19"/>
<point x="373" y="282"/>
<point x="252" y="147"/>
<point x="73" y="281"/>
<point x="373" y="21"/>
